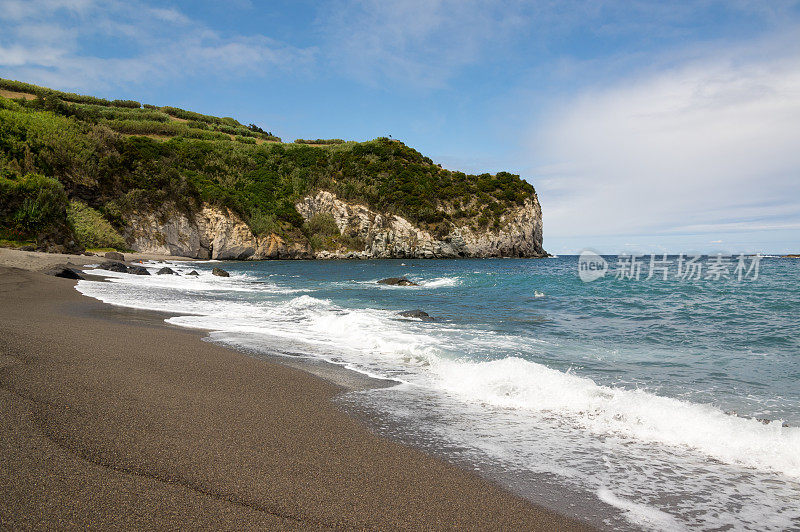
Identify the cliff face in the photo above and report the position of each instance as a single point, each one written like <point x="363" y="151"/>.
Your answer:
<point x="220" y="234"/>
<point x="212" y="233"/>
<point x="390" y="236"/>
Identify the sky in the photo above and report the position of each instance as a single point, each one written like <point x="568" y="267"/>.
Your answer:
<point x="645" y="126"/>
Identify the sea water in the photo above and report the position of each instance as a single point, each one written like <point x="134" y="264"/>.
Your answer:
<point x="654" y="404"/>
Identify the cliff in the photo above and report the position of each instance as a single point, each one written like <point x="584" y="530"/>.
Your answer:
<point x="391" y="236"/>
<point x="217" y="233"/>
<point x="211" y="233"/>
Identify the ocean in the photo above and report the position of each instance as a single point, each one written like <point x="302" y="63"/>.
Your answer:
<point x="656" y="404"/>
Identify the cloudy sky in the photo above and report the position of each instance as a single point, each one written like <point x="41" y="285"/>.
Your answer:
<point x="644" y="126"/>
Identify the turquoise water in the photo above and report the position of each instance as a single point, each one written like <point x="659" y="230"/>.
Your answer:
<point x="674" y="403"/>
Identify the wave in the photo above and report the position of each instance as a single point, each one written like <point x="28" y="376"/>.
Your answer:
<point x="370" y="338"/>
<point x="519" y="384"/>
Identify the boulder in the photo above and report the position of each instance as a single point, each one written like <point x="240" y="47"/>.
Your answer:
<point x="64" y="272"/>
<point x="220" y="272"/>
<point x="166" y="271"/>
<point x="138" y="270"/>
<point x="419" y="314"/>
<point x="113" y="266"/>
<point x="193" y="273"/>
<point x="115" y="255"/>
<point x="397" y="281"/>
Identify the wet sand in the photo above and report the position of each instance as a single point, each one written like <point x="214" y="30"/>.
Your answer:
<point x="110" y="419"/>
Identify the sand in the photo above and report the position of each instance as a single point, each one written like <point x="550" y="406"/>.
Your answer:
<point x="38" y="261"/>
<point x="113" y="419"/>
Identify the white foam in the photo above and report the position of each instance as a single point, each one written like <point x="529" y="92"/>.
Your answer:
<point x="440" y="282"/>
<point x="640" y="514"/>
<point x="519" y="384"/>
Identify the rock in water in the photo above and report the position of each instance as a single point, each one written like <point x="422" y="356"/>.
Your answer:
<point x="166" y="271"/>
<point x="397" y="281"/>
<point x="64" y="272"/>
<point x="114" y="266"/>
<point x="138" y="270"/>
<point x="193" y="272"/>
<point x="220" y="272"/>
<point x="420" y="314"/>
<point x="115" y="255"/>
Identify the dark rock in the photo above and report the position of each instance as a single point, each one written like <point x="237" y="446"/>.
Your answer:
<point x="220" y="272"/>
<point x="64" y="272"/>
<point x="420" y="314"/>
<point x="166" y="271"/>
<point x="138" y="270"/>
<point x="115" y="255"/>
<point x="193" y="272"/>
<point x="397" y="281"/>
<point x="114" y="266"/>
<point x="88" y="253"/>
<point x="29" y="247"/>
<point x="56" y="248"/>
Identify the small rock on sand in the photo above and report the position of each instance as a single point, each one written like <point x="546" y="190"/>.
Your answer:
<point x="65" y="272"/>
<point x="115" y="255"/>
<point x="113" y="266"/>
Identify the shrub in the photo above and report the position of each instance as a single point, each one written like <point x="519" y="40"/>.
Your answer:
<point x="319" y="141"/>
<point x="32" y="204"/>
<point x="131" y="104"/>
<point x="323" y="225"/>
<point x="262" y="223"/>
<point x="91" y="229"/>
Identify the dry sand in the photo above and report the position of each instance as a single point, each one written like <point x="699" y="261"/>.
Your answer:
<point x="38" y="261"/>
<point x="114" y="420"/>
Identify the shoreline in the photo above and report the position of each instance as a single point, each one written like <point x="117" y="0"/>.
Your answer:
<point x="131" y="412"/>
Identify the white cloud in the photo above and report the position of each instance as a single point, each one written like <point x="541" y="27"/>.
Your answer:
<point x="419" y="43"/>
<point x="709" y="145"/>
<point x="57" y="41"/>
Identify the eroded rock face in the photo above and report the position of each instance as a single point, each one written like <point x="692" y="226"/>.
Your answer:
<point x="215" y="233"/>
<point x="390" y="236"/>
<point x="212" y="233"/>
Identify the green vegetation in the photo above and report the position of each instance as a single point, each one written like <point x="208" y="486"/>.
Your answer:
<point x="319" y="141"/>
<point x="91" y="229"/>
<point x="31" y="206"/>
<point x="113" y="157"/>
<point x="323" y="233"/>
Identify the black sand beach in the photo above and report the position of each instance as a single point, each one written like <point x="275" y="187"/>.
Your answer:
<point x="109" y="421"/>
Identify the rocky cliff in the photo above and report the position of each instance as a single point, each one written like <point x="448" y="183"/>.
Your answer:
<point x="220" y="234"/>
<point x="211" y="233"/>
<point x="390" y="236"/>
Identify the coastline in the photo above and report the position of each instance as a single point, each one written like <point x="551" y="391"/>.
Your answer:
<point x="114" y="418"/>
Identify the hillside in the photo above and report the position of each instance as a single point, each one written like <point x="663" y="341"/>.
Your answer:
<point x="80" y="171"/>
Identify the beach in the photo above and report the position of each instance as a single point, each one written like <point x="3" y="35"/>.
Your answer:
<point x="111" y="418"/>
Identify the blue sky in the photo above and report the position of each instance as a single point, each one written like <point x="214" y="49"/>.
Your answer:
<point x="644" y="126"/>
